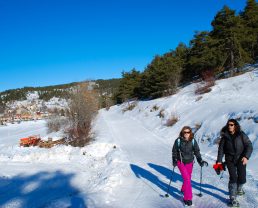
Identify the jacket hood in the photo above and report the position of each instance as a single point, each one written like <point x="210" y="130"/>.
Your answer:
<point x="224" y="132"/>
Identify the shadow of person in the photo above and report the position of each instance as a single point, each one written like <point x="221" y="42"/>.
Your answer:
<point x="145" y="174"/>
<point x="206" y="188"/>
<point x="43" y="189"/>
<point x="77" y="202"/>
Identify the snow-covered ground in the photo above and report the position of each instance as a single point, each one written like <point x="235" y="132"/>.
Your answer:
<point x="129" y="162"/>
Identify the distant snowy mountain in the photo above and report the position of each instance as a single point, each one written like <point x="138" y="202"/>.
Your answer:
<point x="128" y="165"/>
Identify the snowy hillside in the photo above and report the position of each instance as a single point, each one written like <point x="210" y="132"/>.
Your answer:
<point x="129" y="163"/>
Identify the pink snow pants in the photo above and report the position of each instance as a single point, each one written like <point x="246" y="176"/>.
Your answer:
<point x="186" y="172"/>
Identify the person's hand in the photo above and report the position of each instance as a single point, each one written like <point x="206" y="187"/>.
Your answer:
<point x="203" y="163"/>
<point x="244" y="160"/>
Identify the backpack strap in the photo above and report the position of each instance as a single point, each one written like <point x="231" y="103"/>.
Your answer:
<point x="179" y="143"/>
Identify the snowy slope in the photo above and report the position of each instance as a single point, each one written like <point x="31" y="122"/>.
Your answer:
<point x="146" y="141"/>
<point x="129" y="163"/>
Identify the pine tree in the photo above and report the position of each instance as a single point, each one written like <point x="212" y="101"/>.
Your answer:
<point x="228" y="31"/>
<point x="127" y="89"/>
<point x="250" y="17"/>
<point x="163" y="74"/>
<point x="203" y="55"/>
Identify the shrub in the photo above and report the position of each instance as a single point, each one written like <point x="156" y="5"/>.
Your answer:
<point x="83" y="109"/>
<point x="172" y="120"/>
<point x="161" y="113"/>
<point x="209" y="81"/>
<point x="154" y="108"/>
<point x="202" y="89"/>
<point x="197" y="126"/>
<point x="130" y="107"/>
<point x="198" y="98"/>
<point x="56" y="123"/>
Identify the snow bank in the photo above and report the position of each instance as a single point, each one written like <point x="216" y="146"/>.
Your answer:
<point x="234" y="97"/>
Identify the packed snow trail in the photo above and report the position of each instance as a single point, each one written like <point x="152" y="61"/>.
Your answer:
<point x="149" y="159"/>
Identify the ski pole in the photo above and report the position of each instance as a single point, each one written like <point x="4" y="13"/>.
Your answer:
<point x="200" y="194"/>
<point x="221" y="175"/>
<point x="166" y="195"/>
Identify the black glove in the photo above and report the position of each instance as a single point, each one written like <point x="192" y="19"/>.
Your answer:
<point x="203" y="163"/>
<point x="174" y="163"/>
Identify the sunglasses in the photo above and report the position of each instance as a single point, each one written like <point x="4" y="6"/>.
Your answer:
<point x="187" y="132"/>
<point x="231" y="124"/>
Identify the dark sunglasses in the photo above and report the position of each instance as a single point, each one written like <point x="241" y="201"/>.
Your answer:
<point x="186" y="132"/>
<point x="231" y="124"/>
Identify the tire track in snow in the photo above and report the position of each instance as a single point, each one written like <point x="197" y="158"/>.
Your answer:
<point x="116" y="127"/>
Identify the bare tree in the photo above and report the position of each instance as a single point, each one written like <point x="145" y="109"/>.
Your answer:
<point x="83" y="108"/>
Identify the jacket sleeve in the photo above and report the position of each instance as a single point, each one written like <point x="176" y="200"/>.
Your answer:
<point x="197" y="152"/>
<point x="221" y="149"/>
<point x="248" y="147"/>
<point x="174" y="152"/>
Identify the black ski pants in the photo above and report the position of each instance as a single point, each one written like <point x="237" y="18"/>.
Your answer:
<point x="237" y="171"/>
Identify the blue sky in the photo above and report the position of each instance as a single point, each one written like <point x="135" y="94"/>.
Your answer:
<point x="48" y="42"/>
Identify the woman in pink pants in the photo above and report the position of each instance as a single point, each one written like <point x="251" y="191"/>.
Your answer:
<point x="183" y="152"/>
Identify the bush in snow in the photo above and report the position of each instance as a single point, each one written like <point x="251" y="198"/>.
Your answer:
<point x="202" y="89"/>
<point x="198" y="98"/>
<point x="161" y="113"/>
<point x="154" y="108"/>
<point x="130" y="106"/>
<point x="209" y="81"/>
<point x="56" y="123"/>
<point x="172" y="120"/>
<point x="83" y="109"/>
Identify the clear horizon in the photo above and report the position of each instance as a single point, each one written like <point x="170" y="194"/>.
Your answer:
<point x="57" y="42"/>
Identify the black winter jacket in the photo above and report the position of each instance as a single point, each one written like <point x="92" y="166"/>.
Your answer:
<point x="234" y="147"/>
<point x="186" y="151"/>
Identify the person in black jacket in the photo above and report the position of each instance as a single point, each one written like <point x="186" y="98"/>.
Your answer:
<point x="237" y="148"/>
<point x="183" y="152"/>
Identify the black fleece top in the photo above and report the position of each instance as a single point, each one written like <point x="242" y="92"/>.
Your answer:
<point x="186" y="151"/>
<point x="234" y="146"/>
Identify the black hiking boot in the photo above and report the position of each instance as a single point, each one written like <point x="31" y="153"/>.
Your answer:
<point x="188" y="203"/>
<point x="233" y="203"/>
<point x="240" y="190"/>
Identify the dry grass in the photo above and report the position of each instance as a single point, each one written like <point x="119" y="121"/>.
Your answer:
<point x="161" y="113"/>
<point x="198" y="126"/>
<point x="202" y="89"/>
<point x="172" y="120"/>
<point x="130" y="107"/>
<point x="209" y="81"/>
<point x="154" y="108"/>
<point x="198" y="98"/>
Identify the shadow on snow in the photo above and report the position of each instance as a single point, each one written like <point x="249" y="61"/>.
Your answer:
<point x="174" y="192"/>
<point x="44" y="189"/>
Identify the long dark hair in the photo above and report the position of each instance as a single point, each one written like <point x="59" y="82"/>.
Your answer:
<point x="237" y="126"/>
<point x="187" y="128"/>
